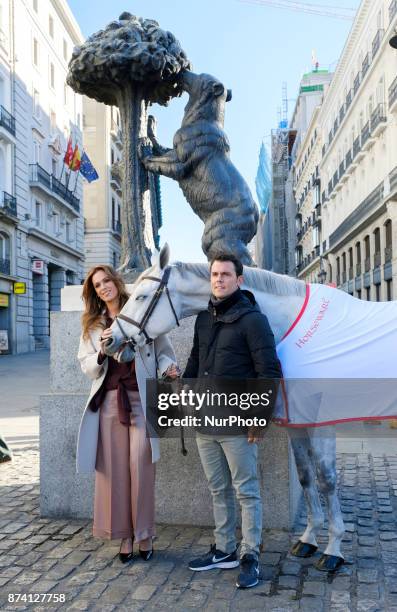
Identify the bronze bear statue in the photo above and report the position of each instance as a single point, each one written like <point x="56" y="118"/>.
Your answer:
<point x="200" y="162"/>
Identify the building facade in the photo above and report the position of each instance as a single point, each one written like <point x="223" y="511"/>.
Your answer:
<point x="45" y="245"/>
<point x="359" y="159"/>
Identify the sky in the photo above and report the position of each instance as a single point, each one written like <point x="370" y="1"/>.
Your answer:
<point x="252" y="49"/>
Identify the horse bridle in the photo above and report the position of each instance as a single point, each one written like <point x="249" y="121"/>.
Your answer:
<point x="163" y="287"/>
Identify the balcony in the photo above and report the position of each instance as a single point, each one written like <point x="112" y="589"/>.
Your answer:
<point x="392" y="10"/>
<point x="5" y="267"/>
<point x="393" y="95"/>
<point x="365" y="65"/>
<point x="349" y="98"/>
<point x="52" y="186"/>
<point x="378" y="120"/>
<point x="366" y="139"/>
<point x="388" y="253"/>
<point x="357" y="152"/>
<point x="7" y="123"/>
<point x="376" y="42"/>
<point x="356" y="84"/>
<point x="8" y="206"/>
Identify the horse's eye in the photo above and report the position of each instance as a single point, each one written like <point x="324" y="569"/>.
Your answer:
<point x="140" y="298"/>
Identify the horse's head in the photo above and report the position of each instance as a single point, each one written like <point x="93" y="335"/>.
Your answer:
<point x="152" y="309"/>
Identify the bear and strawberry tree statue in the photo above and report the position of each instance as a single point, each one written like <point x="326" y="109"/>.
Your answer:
<point x="130" y="64"/>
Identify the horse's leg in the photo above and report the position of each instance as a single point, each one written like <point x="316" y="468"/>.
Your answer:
<point x="323" y="444"/>
<point x="307" y="543"/>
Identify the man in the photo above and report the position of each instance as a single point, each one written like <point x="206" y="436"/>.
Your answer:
<point x="232" y="339"/>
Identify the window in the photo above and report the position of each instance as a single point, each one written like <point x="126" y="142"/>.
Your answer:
<point x="36" y="52"/>
<point x="368" y="292"/>
<point x="36" y="6"/>
<point x="56" y="225"/>
<point x="389" y="290"/>
<point x="68" y="231"/>
<point x="38" y="214"/>
<point x="359" y="294"/>
<point x="4" y="247"/>
<point x="377" y="291"/>
<point x="54" y="166"/>
<point x="51" y="26"/>
<point x="36" y="104"/>
<point x="113" y="214"/>
<point x="111" y="156"/>
<point x="36" y="152"/>
<point x="65" y="50"/>
<point x="52" y="75"/>
<point x="114" y="259"/>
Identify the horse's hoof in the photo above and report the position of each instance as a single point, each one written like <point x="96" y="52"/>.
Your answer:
<point x="303" y="549"/>
<point x="329" y="563"/>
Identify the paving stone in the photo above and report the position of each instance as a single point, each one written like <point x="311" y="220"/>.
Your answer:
<point x="288" y="582"/>
<point x="144" y="592"/>
<point x="367" y="575"/>
<point x="290" y="568"/>
<point x="313" y="588"/>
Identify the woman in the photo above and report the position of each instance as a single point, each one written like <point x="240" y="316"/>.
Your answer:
<point x="112" y="436"/>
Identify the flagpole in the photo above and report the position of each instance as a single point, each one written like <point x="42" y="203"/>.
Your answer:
<point x="77" y="177"/>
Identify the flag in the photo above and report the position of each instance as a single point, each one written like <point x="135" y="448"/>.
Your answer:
<point x="76" y="160"/>
<point x="87" y="169"/>
<point x="69" y="153"/>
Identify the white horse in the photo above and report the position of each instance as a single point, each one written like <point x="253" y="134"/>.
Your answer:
<point x="281" y="298"/>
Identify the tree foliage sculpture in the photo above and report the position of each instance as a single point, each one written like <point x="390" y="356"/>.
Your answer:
<point x="130" y="64"/>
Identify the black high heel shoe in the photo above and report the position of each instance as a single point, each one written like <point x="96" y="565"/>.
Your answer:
<point x="126" y="557"/>
<point x="146" y="554"/>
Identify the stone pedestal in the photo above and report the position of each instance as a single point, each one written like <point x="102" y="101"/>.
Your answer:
<point x="182" y="494"/>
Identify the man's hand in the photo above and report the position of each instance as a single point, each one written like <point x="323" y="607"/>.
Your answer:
<point x="255" y="434"/>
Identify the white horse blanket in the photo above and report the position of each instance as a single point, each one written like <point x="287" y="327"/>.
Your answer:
<point x="339" y="360"/>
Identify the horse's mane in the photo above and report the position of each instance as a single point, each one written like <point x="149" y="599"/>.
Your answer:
<point x="255" y="278"/>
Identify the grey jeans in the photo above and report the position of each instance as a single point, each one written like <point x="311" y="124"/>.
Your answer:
<point x="230" y="462"/>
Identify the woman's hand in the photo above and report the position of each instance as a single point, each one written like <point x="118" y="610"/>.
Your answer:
<point x="106" y="334"/>
<point x="172" y="371"/>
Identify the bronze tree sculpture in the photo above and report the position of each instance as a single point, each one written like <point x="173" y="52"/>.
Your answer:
<point x="130" y="64"/>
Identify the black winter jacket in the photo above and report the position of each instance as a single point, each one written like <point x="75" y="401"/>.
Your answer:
<point x="233" y="340"/>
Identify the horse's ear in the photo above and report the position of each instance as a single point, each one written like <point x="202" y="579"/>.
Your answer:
<point x="164" y="256"/>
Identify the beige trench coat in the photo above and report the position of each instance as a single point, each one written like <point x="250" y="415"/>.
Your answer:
<point x="145" y="367"/>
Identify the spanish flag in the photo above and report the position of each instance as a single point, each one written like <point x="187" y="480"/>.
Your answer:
<point x="69" y="153"/>
<point x="76" y="160"/>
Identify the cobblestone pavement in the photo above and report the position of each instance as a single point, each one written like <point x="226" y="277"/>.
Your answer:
<point x="39" y="555"/>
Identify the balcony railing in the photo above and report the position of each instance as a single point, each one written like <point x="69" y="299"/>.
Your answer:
<point x="41" y="176"/>
<point x="365" y="65"/>
<point x="356" y="83"/>
<point x="388" y="253"/>
<point x="367" y="264"/>
<point x="356" y="146"/>
<point x="365" y="133"/>
<point x="358" y="269"/>
<point x="5" y="266"/>
<point x="7" y="120"/>
<point x="378" y="116"/>
<point x="8" y="204"/>
<point x="349" y="97"/>
<point x="376" y="42"/>
<point x="392" y="10"/>
<point x="377" y="259"/>
<point x="393" y="91"/>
